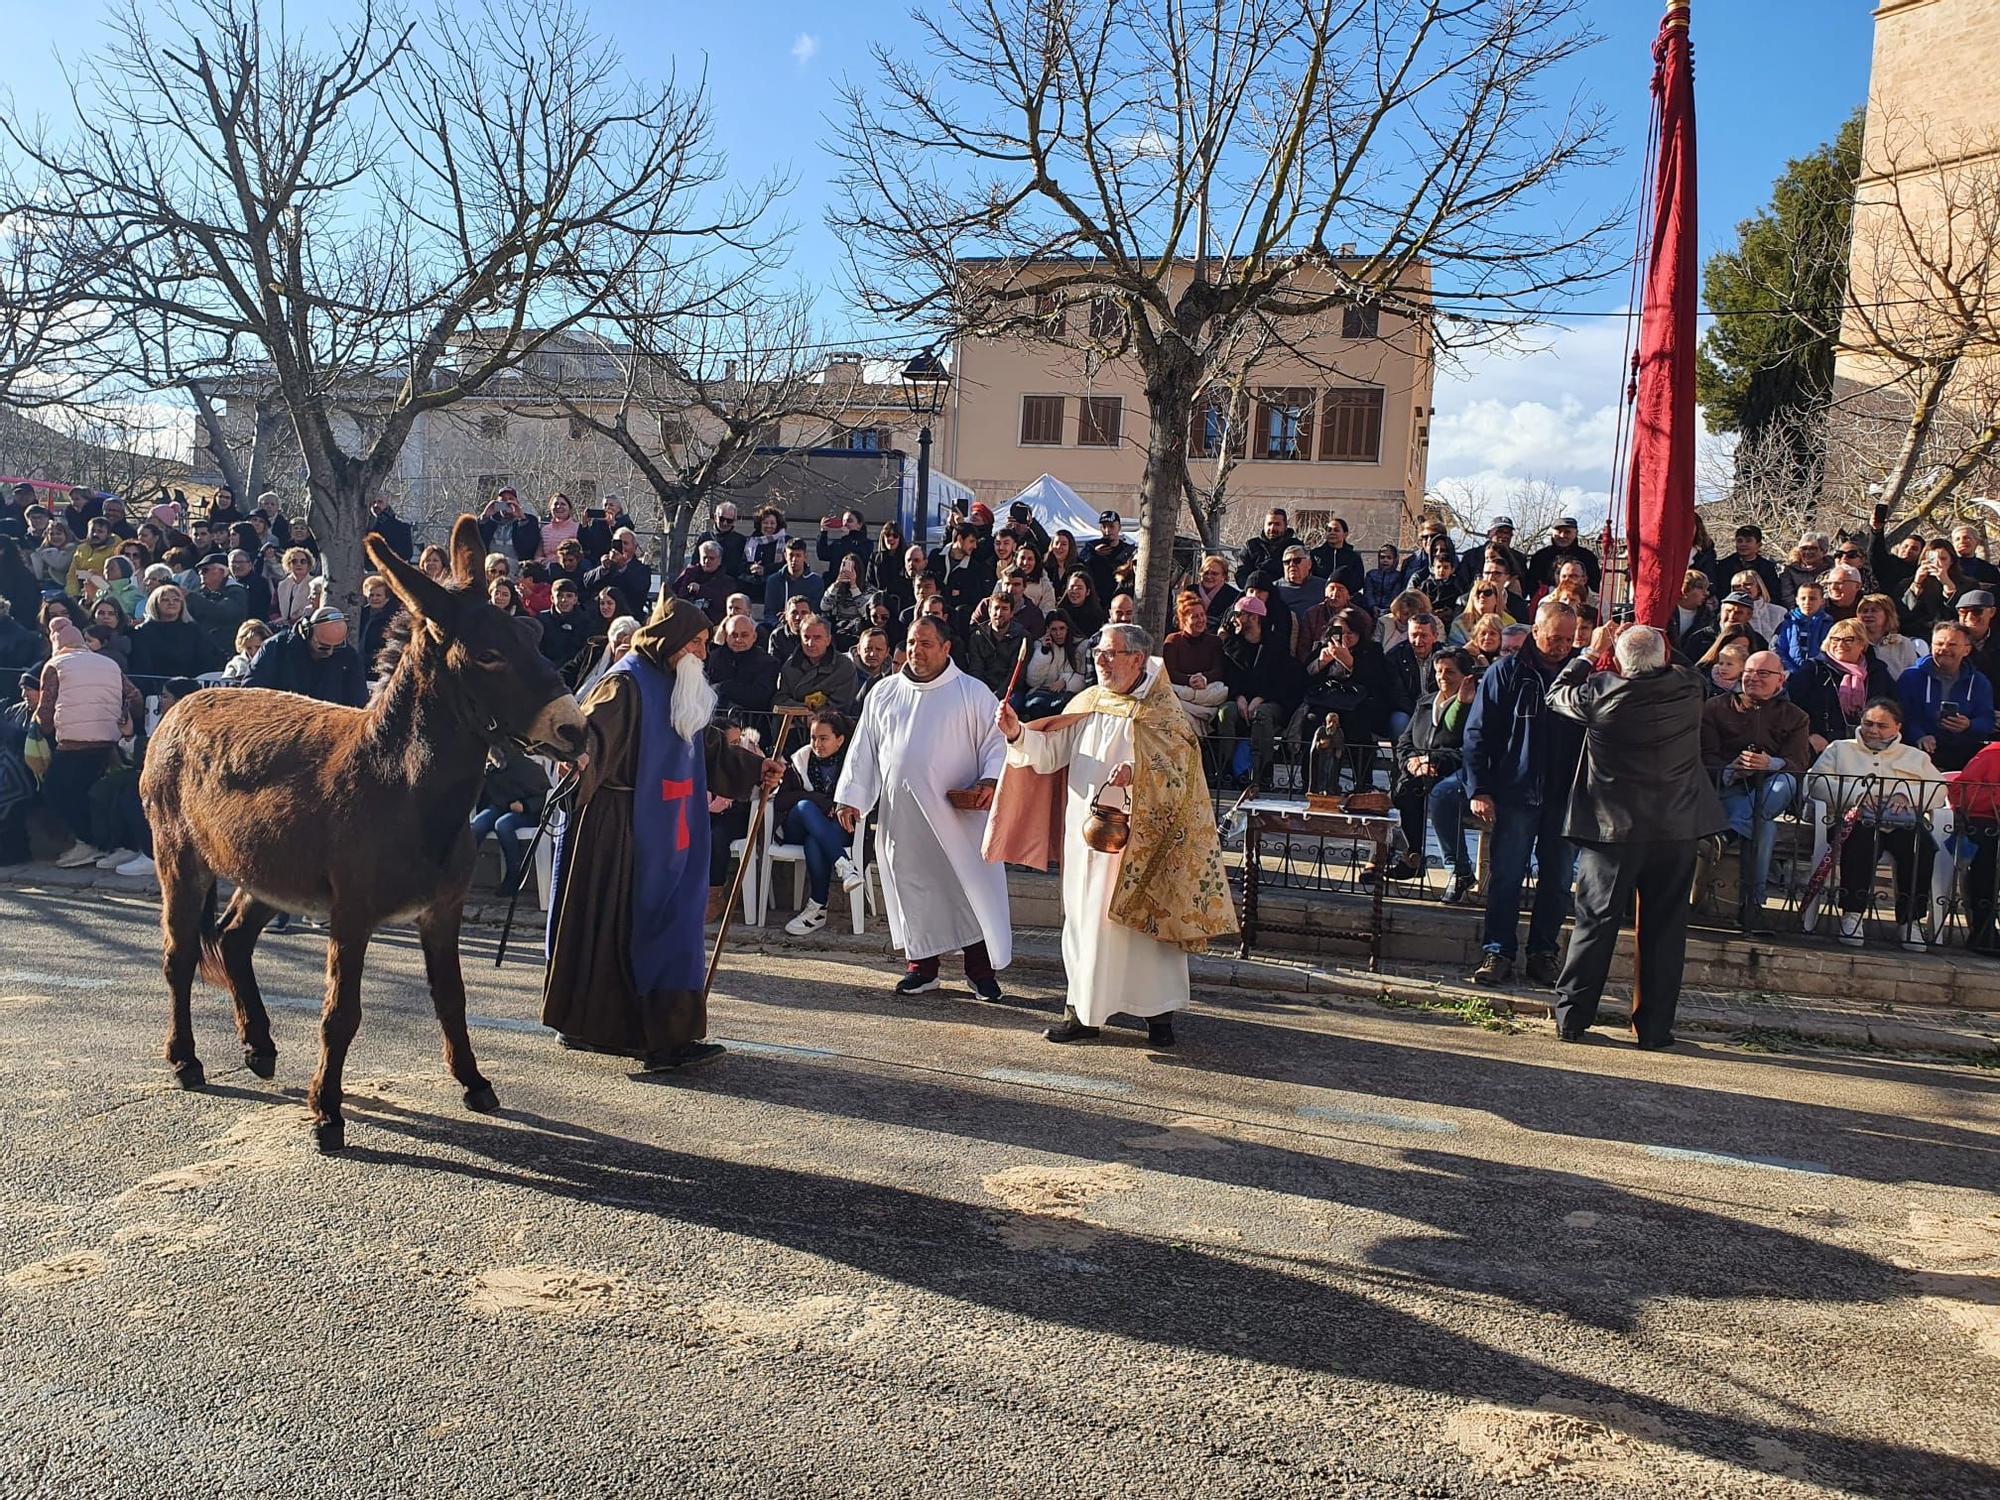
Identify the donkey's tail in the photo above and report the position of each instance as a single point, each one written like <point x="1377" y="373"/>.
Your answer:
<point x="212" y="969"/>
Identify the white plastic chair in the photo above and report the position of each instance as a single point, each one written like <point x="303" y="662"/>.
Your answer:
<point x="756" y="870"/>
<point x="860" y="900"/>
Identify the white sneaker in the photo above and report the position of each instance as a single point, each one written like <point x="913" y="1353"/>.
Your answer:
<point x="807" y="922"/>
<point x="116" y="858"/>
<point x="1913" y="938"/>
<point x="138" y="864"/>
<point x="78" y="855"/>
<point x="1850" y="928"/>
<point x="845" y="871"/>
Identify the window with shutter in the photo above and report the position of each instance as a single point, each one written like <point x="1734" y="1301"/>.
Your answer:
<point x="1107" y="320"/>
<point x="1098" y="420"/>
<point x="493" y="428"/>
<point x="1284" y="424"/>
<point x="1351" y="426"/>
<point x="1206" y="431"/>
<point x="1041" y="421"/>
<point x="1051" y="314"/>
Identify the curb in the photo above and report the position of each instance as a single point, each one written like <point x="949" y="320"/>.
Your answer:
<point x="1038" y="951"/>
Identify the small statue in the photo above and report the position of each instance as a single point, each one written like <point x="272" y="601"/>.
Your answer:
<point x="1323" y="761"/>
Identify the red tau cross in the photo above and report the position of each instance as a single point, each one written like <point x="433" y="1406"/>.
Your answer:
<point x="678" y="791"/>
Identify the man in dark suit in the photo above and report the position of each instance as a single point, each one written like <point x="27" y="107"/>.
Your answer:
<point x="1640" y="804"/>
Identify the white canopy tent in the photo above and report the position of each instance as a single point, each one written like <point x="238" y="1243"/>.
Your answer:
<point x="1058" y="508"/>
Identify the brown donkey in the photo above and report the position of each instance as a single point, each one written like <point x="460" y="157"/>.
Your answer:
<point x="360" y="816"/>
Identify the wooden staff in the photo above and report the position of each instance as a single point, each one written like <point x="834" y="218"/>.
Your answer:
<point x="785" y="717"/>
<point x="1015" y="680"/>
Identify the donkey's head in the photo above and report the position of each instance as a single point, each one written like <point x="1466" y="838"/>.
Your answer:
<point x="494" y="660"/>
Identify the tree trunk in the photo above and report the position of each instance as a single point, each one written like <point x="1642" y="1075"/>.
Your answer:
<point x="218" y="444"/>
<point x="1171" y="386"/>
<point x="271" y="426"/>
<point x="679" y="511"/>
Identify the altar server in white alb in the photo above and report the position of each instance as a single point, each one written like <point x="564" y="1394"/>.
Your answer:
<point x="926" y="757"/>
<point x="1140" y="892"/>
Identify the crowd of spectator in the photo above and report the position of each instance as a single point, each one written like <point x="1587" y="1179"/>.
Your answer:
<point x="1851" y="673"/>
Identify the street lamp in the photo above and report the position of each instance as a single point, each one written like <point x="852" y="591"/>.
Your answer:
<point x="925" y="380"/>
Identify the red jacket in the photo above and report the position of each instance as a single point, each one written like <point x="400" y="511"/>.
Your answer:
<point x="1975" y="791"/>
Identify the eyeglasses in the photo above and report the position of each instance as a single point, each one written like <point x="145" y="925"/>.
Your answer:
<point x="1112" y="655"/>
<point x="1763" y="672"/>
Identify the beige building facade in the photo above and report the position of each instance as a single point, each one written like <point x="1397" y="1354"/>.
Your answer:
<point x="1340" y="428"/>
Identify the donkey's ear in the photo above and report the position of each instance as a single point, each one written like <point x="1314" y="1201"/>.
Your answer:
<point x="420" y="596"/>
<point x="468" y="553"/>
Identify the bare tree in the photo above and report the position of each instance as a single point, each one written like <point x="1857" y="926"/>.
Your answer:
<point x="696" y="387"/>
<point x="387" y="223"/>
<point x="1467" y="508"/>
<point x="1922" y="320"/>
<point x="1193" y="168"/>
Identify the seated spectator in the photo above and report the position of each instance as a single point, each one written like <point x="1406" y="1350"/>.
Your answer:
<point x="1265" y="686"/>
<point x="1843" y="585"/>
<point x="1897" y="652"/>
<point x="1080" y="602"/>
<point x="1193" y="658"/>
<point x="1880" y="789"/>
<point x="1766" y="614"/>
<point x="1799" y="639"/>
<point x="1947" y="704"/>
<point x="1336" y="558"/>
<point x="1027" y="614"/>
<point x="86" y="706"/>
<point x="1807" y="562"/>
<point x="1975" y="613"/>
<point x="623" y="573"/>
<point x="50" y="561"/>
<point x="1975" y="794"/>
<point x="617" y="641"/>
<point x="703" y="582"/>
<point x="841" y="604"/>
<point x="251" y="636"/>
<point x="1298" y="586"/>
<point x="117" y="819"/>
<point x="434" y="565"/>
<point x="504" y="596"/>
<point x="1428" y="749"/>
<point x="783" y="637"/>
<point x="21" y="649"/>
<point x="1280" y="624"/>
<point x="1313" y="623"/>
<point x="1732" y="623"/>
<point x="1408" y="668"/>
<point x="744" y="676"/>
<point x="565" y="626"/>
<point x="17" y="777"/>
<point x="531" y="584"/>
<point x="1392" y="629"/>
<point x="1440" y="584"/>
<point x="1217" y="594"/>
<point x="569" y="564"/>
<point x="1726" y="675"/>
<point x="314" y="659"/>
<point x="293" y="598"/>
<point x="1383" y="583"/>
<point x="1349" y="675"/>
<point x="1966" y="543"/>
<point x="804" y="806"/>
<point x="215" y="604"/>
<point x="994" y="645"/>
<point x="815" y="675"/>
<point x="167" y="643"/>
<point x="874" y="659"/>
<point x="1485" y="597"/>
<point x="510" y="801"/>
<point x="1835" y="688"/>
<point x="1055" y="672"/>
<point x="1933" y="593"/>
<point x="795" y="580"/>
<point x="1756" y="743"/>
<point x="561" y="526"/>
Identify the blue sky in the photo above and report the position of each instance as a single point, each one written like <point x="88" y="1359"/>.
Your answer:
<point x="1774" y="79"/>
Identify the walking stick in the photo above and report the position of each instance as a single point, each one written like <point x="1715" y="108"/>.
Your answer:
<point x="749" y="850"/>
<point x="563" y="789"/>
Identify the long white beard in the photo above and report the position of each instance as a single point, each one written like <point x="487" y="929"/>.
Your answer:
<point x="694" y="697"/>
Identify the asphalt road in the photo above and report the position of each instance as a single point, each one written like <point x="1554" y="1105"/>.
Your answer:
<point x="896" y="1248"/>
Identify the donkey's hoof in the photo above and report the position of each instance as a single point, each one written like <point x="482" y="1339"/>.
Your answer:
<point x="482" y="1099"/>
<point x="263" y="1064"/>
<point x="330" y="1135"/>
<point x="189" y="1075"/>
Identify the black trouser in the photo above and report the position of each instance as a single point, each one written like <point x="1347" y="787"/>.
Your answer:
<point x="723" y="829"/>
<point x="71" y="775"/>
<point x="1979" y="887"/>
<point x="1409" y="802"/>
<point x="1904" y="846"/>
<point x="1607" y="875"/>
<point x="117" y="820"/>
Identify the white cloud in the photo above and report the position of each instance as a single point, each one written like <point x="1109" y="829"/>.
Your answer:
<point x="805" y="49"/>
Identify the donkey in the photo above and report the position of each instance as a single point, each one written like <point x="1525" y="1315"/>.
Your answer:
<point x="360" y="816"/>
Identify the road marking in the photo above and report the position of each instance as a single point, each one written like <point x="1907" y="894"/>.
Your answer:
<point x="12" y="977"/>
<point x="774" y="1049"/>
<point x="1728" y="1159"/>
<point x="1416" y="1124"/>
<point x="1072" y="1081"/>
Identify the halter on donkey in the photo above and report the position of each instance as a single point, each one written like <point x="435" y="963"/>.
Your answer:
<point x="357" y="815"/>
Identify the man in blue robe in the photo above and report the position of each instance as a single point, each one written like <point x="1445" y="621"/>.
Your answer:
<point x="626" y="951"/>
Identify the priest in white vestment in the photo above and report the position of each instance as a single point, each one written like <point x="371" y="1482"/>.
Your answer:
<point x="1130" y="918"/>
<point x="925" y="758"/>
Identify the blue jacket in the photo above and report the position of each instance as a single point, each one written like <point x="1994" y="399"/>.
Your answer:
<point x="1517" y="749"/>
<point x="1924" y="698"/>
<point x="1799" y="638"/>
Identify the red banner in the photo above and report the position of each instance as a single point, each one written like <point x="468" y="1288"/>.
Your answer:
<point x="1659" y="492"/>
